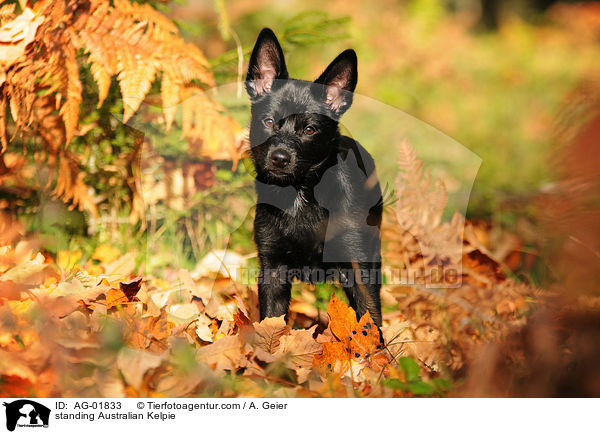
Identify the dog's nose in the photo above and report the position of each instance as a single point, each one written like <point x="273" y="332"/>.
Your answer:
<point x="280" y="158"/>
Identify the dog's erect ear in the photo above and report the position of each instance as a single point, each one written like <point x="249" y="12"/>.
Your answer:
<point x="339" y="81"/>
<point x="266" y="64"/>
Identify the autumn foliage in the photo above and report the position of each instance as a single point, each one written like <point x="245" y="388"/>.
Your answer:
<point x="354" y="344"/>
<point x="41" y="89"/>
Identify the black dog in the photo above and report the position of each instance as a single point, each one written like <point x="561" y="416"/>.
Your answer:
<point x="319" y="202"/>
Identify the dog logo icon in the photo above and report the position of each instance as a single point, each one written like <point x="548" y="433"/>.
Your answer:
<point x="26" y="413"/>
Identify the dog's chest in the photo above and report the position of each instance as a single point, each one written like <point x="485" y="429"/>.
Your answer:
<point x="300" y="231"/>
<point x="304" y="222"/>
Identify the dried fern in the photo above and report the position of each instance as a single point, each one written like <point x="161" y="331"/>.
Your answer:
<point x="444" y="318"/>
<point x="418" y="237"/>
<point x="39" y="73"/>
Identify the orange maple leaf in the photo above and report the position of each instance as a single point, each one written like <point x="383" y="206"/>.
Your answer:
<point x="358" y="342"/>
<point x="115" y="297"/>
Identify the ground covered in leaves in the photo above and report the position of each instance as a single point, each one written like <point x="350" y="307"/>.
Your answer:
<point x="103" y="330"/>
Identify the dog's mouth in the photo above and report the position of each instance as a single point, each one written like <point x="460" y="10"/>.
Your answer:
<point x="278" y="176"/>
<point x="278" y="172"/>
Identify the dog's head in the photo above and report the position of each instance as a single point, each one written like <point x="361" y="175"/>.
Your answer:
<point x="294" y="123"/>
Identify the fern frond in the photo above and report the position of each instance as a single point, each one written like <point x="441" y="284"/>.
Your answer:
<point x="135" y="77"/>
<point x="146" y="14"/>
<point x="70" y="108"/>
<point x="100" y="63"/>
<point x="14" y="107"/>
<point x="70" y="185"/>
<point x="51" y="125"/>
<point x="419" y="238"/>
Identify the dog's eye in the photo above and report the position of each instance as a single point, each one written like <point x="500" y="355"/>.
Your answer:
<point x="309" y="131"/>
<point x="268" y="122"/>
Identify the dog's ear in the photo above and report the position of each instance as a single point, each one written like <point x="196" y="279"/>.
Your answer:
<point x="266" y="64"/>
<point x="339" y="81"/>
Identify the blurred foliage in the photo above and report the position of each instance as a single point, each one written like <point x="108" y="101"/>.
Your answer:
<point x="496" y="93"/>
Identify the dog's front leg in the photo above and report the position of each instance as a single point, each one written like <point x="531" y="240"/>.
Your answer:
<point x="274" y="289"/>
<point x="362" y="283"/>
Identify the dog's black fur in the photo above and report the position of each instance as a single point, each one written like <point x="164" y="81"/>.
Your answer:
<point x="319" y="202"/>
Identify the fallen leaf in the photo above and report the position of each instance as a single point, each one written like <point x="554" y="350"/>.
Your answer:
<point x="180" y="314"/>
<point x="75" y="288"/>
<point x="201" y="289"/>
<point x="134" y="364"/>
<point x="203" y="328"/>
<point x="114" y="297"/>
<point x="131" y="287"/>
<point x="244" y="326"/>
<point x="299" y="348"/>
<point x="357" y="342"/>
<point x="268" y="333"/>
<point x="13" y="386"/>
<point x="23" y="272"/>
<point x="481" y="268"/>
<point x="395" y="336"/>
<point x="121" y="268"/>
<point x="151" y="332"/>
<point x="223" y="354"/>
<point x="11" y="290"/>
<point x="223" y="311"/>
<point x="221" y="263"/>
<point x="12" y="365"/>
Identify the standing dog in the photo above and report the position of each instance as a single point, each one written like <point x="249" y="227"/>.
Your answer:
<point x="319" y="203"/>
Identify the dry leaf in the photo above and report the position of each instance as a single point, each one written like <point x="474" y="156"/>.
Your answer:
<point x="115" y="297"/>
<point x="357" y="341"/>
<point x="131" y="287"/>
<point x="220" y="263"/>
<point x="12" y="365"/>
<point x="121" y="268"/>
<point x="298" y="348"/>
<point x="268" y="333"/>
<point x="223" y="354"/>
<point x="75" y="288"/>
<point x="151" y="333"/>
<point x="134" y="364"/>
<point x="203" y="328"/>
<point x="180" y="314"/>
<point x="23" y="272"/>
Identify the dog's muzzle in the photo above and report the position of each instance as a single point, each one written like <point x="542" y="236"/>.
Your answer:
<point x="280" y="160"/>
